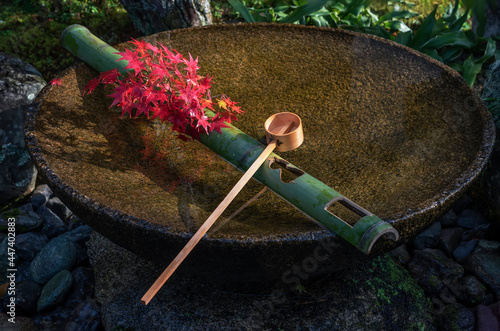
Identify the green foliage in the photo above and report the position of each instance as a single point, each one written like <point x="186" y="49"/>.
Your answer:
<point x="447" y="38"/>
<point x="31" y="29"/>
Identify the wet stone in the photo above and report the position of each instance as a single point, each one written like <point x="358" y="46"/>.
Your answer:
<point x="449" y="219"/>
<point x="59" y="254"/>
<point x="429" y="238"/>
<point x="28" y="245"/>
<point x="455" y="316"/>
<point x="52" y="224"/>
<point x="26" y="295"/>
<point x="470" y="219"/>
<point x="40" y="195"/>
<point x="450" y="239"/>
<point x="484" y="263"/>
<point x="464" y="250"/>
<point x="472" y="291"/>
<point x="59" y="208"/>
<point x="433" y="270"/>
<point x="55" y="291"/>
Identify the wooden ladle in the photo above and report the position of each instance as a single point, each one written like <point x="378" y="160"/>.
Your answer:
<point x="284" y="133"/>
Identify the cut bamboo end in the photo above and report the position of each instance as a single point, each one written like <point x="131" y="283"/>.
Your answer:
<point x="291" y="138"/>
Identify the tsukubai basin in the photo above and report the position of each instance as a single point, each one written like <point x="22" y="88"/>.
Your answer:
<point x="395" y="131"/>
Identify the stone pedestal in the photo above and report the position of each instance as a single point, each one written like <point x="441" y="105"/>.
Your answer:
<point x="376" y="295"/>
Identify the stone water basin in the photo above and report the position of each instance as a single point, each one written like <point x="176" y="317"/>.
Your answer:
<point x="397" y="132"/>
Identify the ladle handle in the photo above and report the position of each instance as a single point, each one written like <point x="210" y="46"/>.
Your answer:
<point x="210" y="220"/>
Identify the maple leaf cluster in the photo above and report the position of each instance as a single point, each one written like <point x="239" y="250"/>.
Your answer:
<point x="160" y="83"/>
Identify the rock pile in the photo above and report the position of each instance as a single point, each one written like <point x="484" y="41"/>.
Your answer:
<point x="53" y="284"/>
<point x="457" y="263"/>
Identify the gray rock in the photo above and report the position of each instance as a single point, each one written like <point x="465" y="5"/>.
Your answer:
<point x="52" y="224"/>
<point x="433" y="270"/>
<point x="59" y="254"/>
<point x="449" y="219"/>
<point x="154" y="16"/>
<point x="484" y="263"/>
<point x="79" y="234"/>
<point x="472" y="291"/>
<point x="470" y="219"/>
<point x="480" y="232"/>
<point x="24" y="222"/>
<point x="59" y="208"/>
<point x="455" y="317"/>
<point x="385" y="298"/>
<point x="55" y="291"/>
<point x="450" y="239"/>
<point x="85" y="317"/>
<point x="23" y="271"/>
<point x="26" y="296"/>
<point x="492" y="26"/>
<point x="486" y="319"/>
<point x="462" y="203"/>
<point x="429" y="238"/>
<point x="40" y="195"/>
<point x="22" y="323"/>
<point x="74" y="222"/>
<point x="19" y="85"/>
<point x="53" y="319"/>
<point x="401" y="254"/>
<point x="83" y="286"/>
<point x="6" y="261"/>
<point x="464" y="250"/>
<point x="28" y="245"/>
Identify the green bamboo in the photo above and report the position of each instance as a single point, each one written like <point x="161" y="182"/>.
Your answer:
<point x="306" y="193"/>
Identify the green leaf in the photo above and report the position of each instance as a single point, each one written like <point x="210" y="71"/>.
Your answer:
<point x="424" y="33"/>
<point x="433" y="53"/>
<point x="399" y="26"/>
<point x="454" y="38"/>
<point x="457" y="66"/>
<point x="304" y="10"/>
<point x="403" y="37"/>
<point x="354" y="8"/>
<point x="470" y="70"/>
<point x="242" y="10"/>
<point x="397" y="15"/>
<point x="479" y="10"/>
<point x="457" y="25"/>
<point x="451" y="54"/>
<point x="491" y="47"/>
